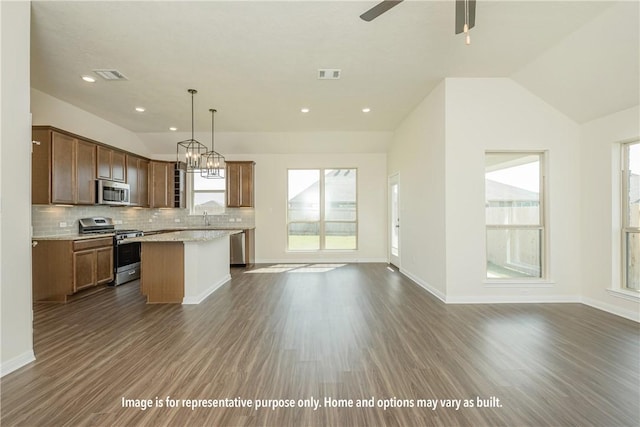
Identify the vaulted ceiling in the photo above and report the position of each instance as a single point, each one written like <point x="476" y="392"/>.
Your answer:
<point x="256" y="62"/>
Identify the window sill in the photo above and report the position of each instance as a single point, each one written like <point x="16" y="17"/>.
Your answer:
<point x="515" y="283"/>
<point x="624" y="294"/>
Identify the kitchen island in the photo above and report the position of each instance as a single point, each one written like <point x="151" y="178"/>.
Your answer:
<point x="183" y="266"/>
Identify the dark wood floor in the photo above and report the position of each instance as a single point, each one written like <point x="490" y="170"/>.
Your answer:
<point x="355" y="332"/>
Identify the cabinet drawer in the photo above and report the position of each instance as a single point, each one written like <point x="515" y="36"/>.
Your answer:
<point x="80" y="245"/>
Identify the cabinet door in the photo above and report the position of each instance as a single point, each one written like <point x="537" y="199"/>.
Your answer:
<point x="111" y="164"/>
<point x="118" y="168"/>
<point x="104" y="163"/>
<point x="132" y="180"/>
<point x="62" y="169"/>
<point x="84" y="269"/>
<point x="233" y="184"/>
<point x="239" y="184"/>
<point x="143" y="182"/>
<point x="40" y="167"/>
<point x="104" y="267"/>
<point x="159" y="181"/>
<point x="85" y="172"/>
<point x="246" y="184"/>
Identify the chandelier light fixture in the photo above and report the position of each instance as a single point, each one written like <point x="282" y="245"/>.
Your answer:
<point x="190" y="151"/>
<point x="213" y="164"/>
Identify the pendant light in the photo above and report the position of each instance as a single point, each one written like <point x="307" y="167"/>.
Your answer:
<point x="191" y="151"/>
<point x="213" y="165"/>
<point x="467" y="37"/>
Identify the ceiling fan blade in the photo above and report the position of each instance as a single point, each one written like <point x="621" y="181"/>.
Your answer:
<point x="379" y="9"/>
<point x="460" y="14"/>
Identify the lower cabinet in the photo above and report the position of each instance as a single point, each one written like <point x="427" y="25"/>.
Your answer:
<point x="66" y="269"/>
<point x="92" y="267"/>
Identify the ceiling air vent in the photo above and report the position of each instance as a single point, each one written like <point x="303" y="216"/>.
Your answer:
<point x="110" y="74"/>
<point x="328" y="74"/>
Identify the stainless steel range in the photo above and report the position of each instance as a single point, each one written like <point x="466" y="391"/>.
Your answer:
<point x="126" y="255"/>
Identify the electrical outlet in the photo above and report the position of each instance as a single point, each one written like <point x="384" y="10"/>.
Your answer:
<point x="150" y="220"/>
<point x="232" y="220"/>
<point x="176" y="220"/>
<point x="63" y="224"/>
<point x="117" y="221"/>
<point x="238" y="219"/>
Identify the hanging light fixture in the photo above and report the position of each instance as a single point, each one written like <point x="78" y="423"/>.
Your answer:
<point x="467" y="36"/>
<point x="213" y="164"/>
<point x="191" y="151"/>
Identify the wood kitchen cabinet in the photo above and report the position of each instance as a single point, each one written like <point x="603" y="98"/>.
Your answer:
<point x="161" y="184"/>
<point x="240" y="184"/>
<point x="111" y="164"/>
<point x="138" y="180"/>
<point x="63" y="168"/>
<point x="63" y="270"/>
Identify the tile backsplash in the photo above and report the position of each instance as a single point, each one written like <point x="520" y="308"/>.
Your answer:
<point x="51" y="220"/>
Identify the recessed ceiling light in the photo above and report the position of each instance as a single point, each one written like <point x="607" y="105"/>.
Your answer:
<point x="140" y="109"/>
<point x="305" y="110"/>
<point x="173" y="128"/>
<point x="88" y="79"/>
<point x="366" y="110"/>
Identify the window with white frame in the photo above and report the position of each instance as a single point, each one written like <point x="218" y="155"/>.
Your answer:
<point x="322" y="211"/>
<point x="515" y="215"/>
<point x="206" y="195"/>
<point x="631" y="216"/>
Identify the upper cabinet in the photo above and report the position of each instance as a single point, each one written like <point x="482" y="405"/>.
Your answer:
<point x="138" y="180"/>
<point x="240" y="184"/>
<point x="161" y="184"/>
<point x="111" y="164"/>
<point x="63" y="168"/>
<point x="85" y="172"/>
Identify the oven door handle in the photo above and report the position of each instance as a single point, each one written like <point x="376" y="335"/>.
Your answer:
<point x="122" y="241"/>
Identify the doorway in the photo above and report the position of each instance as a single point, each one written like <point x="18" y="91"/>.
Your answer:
<point x="394" y="220"/>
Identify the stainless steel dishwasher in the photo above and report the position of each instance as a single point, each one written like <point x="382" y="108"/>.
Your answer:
<point x="238" y="249"/>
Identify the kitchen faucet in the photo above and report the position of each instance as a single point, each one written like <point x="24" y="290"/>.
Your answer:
<point x="206" y="219"/>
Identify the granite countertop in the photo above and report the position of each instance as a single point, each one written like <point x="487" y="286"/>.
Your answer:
<point x="185" y="236"/>
<point x="77" y="236"/>
<point x="199" y="228"/>
<point x="73" y="236"/>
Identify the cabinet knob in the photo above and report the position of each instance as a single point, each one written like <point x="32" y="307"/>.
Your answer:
<point x="34" y="244"/>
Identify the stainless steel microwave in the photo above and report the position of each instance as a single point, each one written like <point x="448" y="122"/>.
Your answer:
<point x="112" y="193"/>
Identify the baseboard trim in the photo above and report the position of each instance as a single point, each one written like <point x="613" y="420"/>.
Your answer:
<point x="518" y="299"/>
<point x="17" y="363"/>
<point x="433" y="291"/>
<point x="322" y="261"/>
<point x="203" y="295"/>
<point x="610" y="308"/>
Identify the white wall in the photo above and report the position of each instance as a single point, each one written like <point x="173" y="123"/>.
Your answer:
<point x="601" y="211"/>
<point x="271" y="205"/>
<point x="15" y="188"/>
<point x="48" y="110"/>
<point x="164" y="143"/>
<point x="439" y="152"/>
<point x="498" y="114"/>
<point x="602" y="55"/>
<point x="417" y="154"/>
